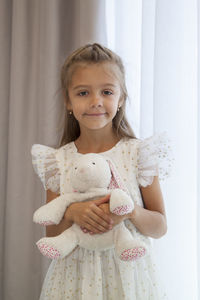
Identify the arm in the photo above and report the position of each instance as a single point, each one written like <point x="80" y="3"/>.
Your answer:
<point x="85" y="214"/>
<point x="150" y="220"/>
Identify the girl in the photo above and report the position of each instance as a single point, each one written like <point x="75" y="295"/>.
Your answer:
<point x="93" y="85"/>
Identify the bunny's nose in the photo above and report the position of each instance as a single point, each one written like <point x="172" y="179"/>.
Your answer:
<point x="81" y="170"/>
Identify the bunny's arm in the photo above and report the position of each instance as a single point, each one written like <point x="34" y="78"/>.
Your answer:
<point x="52" y="212"/>
<point x="120" y="202"/>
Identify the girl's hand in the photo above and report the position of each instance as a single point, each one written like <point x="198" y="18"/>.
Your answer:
<point x="89" y="215"/>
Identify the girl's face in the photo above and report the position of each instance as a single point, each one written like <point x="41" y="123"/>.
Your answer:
<point x="94" y="95"/>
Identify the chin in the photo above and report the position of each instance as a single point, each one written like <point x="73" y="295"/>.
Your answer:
<point x="97" y="125"/>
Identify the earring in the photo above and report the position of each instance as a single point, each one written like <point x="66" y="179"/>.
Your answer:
<point x="118" y="108"/>
<point x="70" y="112"/>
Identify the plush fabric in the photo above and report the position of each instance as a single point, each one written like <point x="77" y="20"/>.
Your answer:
<point x="91" y="176"/>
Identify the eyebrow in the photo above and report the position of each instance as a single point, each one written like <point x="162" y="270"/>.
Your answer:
<point x="87" y="86"/>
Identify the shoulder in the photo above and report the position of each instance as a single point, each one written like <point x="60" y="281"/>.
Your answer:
<point x="155" y="158"/>
<point x="67" y="148"/>
<point x="41" y="150"/>
<point x="46" y="165"/>
<point x="125" y="152"/>
<point x="129" y="144"/>
<point x="128" y="150"/>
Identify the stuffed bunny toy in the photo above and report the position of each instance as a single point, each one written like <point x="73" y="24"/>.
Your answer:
<point x="91" y="176"/>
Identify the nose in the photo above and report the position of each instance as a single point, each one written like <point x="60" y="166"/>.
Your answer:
<point x="96" y="101"/>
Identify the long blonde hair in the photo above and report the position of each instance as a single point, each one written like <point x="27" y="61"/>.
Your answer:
<point x="93" y="54"/>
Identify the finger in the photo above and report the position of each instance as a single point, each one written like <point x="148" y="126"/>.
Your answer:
<point x="92" y="230"/>
<point x="91" y="217"/>
<point x="98" y="215"/>
<point x="102" y="200"/>
<point x="94" y="209"/>
<point x="97" y="227"/>
<point x="102" y="215"/>
<point x="84" y="229"/>
<point x="100" y="221"/>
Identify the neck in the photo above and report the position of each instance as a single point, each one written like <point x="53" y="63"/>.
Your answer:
<point x="96" y="142"/>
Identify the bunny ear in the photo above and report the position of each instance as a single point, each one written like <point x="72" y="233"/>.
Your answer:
<point x="116" y="181"/>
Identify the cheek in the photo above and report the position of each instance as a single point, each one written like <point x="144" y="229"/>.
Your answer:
<point x="112" y="107"/>
<point x="78" y="109"/>
<point x="74" y="104"/>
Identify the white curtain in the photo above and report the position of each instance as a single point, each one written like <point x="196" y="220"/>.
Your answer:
<point x="159" y="43"/>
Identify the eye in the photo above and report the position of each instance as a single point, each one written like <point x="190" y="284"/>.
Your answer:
<point x="93" y="163"/>
<point x="75" y="168"/>
<point x="83" y="93"/>
<point x="107" y="92"/>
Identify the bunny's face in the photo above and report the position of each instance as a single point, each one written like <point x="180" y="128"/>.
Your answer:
<point x="90" y="171"/>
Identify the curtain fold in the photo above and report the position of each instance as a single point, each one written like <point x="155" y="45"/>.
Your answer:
<point x="36" y="36"/>
<point x="124" y="31"/>
<point x="5" y="45"/>
<point x="198" y="150"/>
<point x="174" y="109"/>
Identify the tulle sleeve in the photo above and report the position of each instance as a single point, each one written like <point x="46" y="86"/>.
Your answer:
<point x="155" y="158"/>
<point x="46" y="166"/>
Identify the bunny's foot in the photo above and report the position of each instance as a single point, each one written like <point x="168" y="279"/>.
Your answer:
<point x="132" y="254"/>
<point x="58" y="246"/>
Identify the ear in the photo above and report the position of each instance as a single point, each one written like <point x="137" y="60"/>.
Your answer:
<point x="68" y="104"/>
<point x="116" y="181"/>
<point x="121" y="102"/>
<point x="67" y="101"/>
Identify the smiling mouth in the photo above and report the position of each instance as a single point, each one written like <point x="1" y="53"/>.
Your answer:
<point x="95" y="115"/>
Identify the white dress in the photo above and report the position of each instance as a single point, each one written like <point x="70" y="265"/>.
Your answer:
<point x="100" y="275"/>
